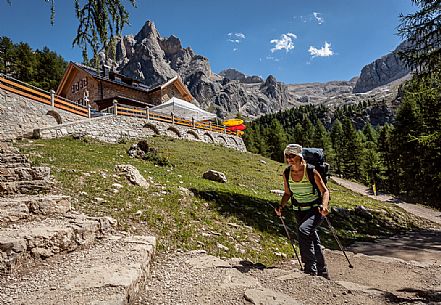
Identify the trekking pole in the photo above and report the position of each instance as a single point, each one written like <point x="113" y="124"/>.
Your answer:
<point x="290" y="240"/>
<point x="338" y="241"/>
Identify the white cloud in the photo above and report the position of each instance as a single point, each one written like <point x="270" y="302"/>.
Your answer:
<point x="314" y="17"/>
<point x="322" y="52"/>
<point x="318" y="17"/>
<point x="237" y="35"/>
<point x="235" y="38"/>
<point x="285" y="42"/>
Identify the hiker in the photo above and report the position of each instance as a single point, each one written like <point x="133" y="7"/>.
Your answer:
<point x="310" y="207"/>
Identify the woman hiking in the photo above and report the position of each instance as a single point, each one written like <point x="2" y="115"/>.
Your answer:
<point x="310" y="202"/>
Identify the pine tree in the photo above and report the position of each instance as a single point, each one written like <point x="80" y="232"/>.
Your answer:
<point x="388" y="180"/>
<point x="351" y="150"/>
<point x="322" y="139"/>
<point x="418" y="138"/>
<point x="6" y="55"/>
<point x="337" y="145"/>
<point x="49" y="69"/>
<point x="277" y="140"/>
<point x="24" y="63"/>
<point x="308" y="133"/>
<point x="406" y="147"/>
<point x="298" y="135"/>
<point x="423" y="31"/>
<point x="370" y="162"/>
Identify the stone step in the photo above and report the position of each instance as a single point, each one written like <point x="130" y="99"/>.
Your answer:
<point x="21" y="207"/>
<point x="24" y="173"/>
<point x="111" y="272"/>
<point x="25" y="187"/>
<point x="13" y="165"/>
<point x="21" y="243"/>
<point x="12" y="158"/>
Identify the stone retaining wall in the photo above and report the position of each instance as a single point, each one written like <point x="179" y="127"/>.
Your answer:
<point x="113" y="129"/>
<point x="19" y="116"/>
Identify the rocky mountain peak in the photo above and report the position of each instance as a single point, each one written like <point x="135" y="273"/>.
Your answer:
<point x="147" y="31"/>
<point x="232" y="74"/>
<point x="382" y="71"/>
<point x="270" y="81"/>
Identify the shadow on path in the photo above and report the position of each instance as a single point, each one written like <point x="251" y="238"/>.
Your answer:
<point x="421" y="246"/>
<point x="421" y="296"/>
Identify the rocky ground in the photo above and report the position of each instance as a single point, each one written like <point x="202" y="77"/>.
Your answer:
<point x="404" y="269"/>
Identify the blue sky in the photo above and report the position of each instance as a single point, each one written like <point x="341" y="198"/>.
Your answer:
<point x="296" y="41"/>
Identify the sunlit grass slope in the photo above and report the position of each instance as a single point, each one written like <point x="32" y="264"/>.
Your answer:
<point x="185" y="211"/>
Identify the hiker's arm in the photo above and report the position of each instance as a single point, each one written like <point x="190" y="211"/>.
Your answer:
<point x="285" y="197"/>
<point x="324" y="191"/>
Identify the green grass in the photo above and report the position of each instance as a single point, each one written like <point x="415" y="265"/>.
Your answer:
<point x="238" y="214"/>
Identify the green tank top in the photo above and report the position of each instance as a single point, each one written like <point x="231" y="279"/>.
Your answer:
<point x="302" y="191"/>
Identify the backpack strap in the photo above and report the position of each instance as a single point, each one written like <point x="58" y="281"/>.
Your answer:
<point x="286" y="173"/>
<point x="310" y="171"/>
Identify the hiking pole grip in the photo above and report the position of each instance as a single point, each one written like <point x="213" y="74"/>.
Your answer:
<point x="338" y="241"/>
<point x="290" y="240"/>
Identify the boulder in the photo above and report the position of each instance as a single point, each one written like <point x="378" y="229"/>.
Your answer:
<point x="363" y="212"/>
<point x="132" y="174"/>
<point x="215" y="176"/>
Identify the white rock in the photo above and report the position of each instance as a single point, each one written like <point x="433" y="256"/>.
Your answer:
<point x="222" y="247"/>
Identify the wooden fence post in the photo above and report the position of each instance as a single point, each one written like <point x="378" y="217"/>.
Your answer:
<point x="115" y="107"/>
<point x="173" y="118"/>
<point x="89" y="115"/>
<point x="52" y="98"/>
<point x="147" y="113"/>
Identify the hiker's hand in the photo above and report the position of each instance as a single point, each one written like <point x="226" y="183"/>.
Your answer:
<point x="278" y="211"/>
<point x="324" y="211"/>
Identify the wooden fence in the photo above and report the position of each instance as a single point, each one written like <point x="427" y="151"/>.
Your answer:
<point x="36" y="94"/>
<point x="15" y="86"/>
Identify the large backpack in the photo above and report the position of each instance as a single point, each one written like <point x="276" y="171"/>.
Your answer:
<point x="316" y="157"/>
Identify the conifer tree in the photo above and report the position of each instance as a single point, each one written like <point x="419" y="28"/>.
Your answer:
<point x="407" y="149"/>
<point x="388" y="176"/>
<point x="49" y="69"/>
<point x="370" y="161"/>
<point x="24" y="62"/>
<point x="277" y="140"/>
<point x="322" y="139"/>
<point x="423" y="31"/>
<point x="298" y="135"/>
<point x="6" y="54"/>
<point x="351" y="150"/>
<point x="337" y="145"/>
<point x="308" y="133"/>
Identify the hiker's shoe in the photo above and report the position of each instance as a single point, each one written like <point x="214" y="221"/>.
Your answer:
<point x="310" y="272"/>
<point x="324" y="274"/>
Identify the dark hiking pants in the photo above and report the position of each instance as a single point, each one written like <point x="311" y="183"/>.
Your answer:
<point x="309" y="241"/>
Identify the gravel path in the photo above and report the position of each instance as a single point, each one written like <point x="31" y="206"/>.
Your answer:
<point x="198" y="278"/>
<point x="404" y="270"/>
<point x="416" y="209"/>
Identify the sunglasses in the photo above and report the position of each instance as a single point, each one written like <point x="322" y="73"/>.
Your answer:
<point x="290" y="156"/>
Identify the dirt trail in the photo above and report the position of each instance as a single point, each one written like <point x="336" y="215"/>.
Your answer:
<point x="401" y="270"/>
<point x="416" y="209"/>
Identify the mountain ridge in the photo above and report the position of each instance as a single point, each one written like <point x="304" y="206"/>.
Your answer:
<point x="153" y="60"/>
